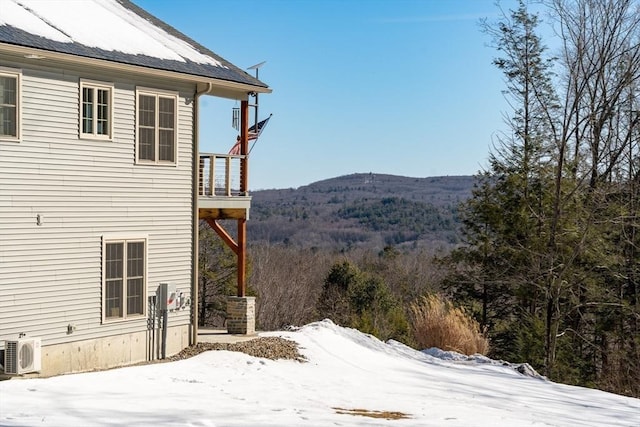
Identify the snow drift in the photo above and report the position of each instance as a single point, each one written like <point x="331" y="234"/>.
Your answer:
<point x="350" y="378"/>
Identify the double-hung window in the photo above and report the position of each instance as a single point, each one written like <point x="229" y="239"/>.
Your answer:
<point x="96" y="110"/>
<point x="9" y="104"/>
<point x="156" y="127"/>
<point x="124" y="285"/>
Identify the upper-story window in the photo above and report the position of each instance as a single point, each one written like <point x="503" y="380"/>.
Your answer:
<point x="156" y="127"/>
<point x="9" y="104"/>
<point x="96" y="110"/>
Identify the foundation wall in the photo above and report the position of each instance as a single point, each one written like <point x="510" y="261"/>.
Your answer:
<point x="109" y="352"/>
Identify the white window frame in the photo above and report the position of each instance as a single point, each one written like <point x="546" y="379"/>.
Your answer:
<point x="157" y="94"/>
<point x="124" y="239"/>
<point x="17" y="74"/>
<point x="95" y="87"/>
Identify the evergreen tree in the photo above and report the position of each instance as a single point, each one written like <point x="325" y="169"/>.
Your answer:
<point x="506" y="220"/>
<point x="551" y="264"/>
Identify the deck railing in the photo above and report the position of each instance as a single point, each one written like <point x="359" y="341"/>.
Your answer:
<point x="220" y="175"/>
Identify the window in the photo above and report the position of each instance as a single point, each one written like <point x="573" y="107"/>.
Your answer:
<point x="9" y="104"/>
<point x="95" y="110"/>
<point x="124" y="290"/>
<point x="156" y="127"/>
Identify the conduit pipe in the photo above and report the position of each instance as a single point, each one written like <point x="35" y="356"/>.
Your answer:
<point x="193" y="339"/>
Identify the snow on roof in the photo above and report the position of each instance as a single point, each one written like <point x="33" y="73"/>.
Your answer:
<point x="117" y="29"/>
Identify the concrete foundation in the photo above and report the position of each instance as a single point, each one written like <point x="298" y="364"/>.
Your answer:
<point x="108" y="352"/>
<point x="241" y="315"/>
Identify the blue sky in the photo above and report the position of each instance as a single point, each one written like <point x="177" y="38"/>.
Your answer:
<point x="401" y="87"/>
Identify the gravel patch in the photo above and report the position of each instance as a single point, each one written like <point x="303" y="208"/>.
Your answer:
<point x="273" y="348"/>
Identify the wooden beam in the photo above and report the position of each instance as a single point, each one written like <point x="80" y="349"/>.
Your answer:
<point x="242" y="257"/>
<point x="244" y="189"/>
<point x="244" y="146"/>
<point x="222" y="213"/>
<point x="224" y="236"/>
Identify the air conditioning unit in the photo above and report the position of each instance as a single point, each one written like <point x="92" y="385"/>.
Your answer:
<point x="22" y="356"/>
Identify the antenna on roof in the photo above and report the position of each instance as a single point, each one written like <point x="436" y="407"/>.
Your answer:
<point x="256" y="67"/>
<point x="255" y="106"/>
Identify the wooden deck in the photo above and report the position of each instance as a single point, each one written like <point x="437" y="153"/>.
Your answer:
<point x="223" y="195"/>
<point x="220" y="194"/>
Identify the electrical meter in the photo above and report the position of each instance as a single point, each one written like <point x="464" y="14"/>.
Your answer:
<point x="167" y="297"/>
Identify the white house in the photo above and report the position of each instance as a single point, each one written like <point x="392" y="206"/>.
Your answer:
<point x="101" y="184"/>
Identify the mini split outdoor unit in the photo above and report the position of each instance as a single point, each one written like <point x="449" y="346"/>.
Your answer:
<point x="22" y="356"/>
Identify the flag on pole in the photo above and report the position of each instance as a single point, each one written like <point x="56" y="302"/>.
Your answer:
<point x="256" y="130"/>
<point x="254" y="133"/>
<point x="235" y="150"/>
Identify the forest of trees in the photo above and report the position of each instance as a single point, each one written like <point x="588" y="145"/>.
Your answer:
<point x="362" y="210"/>
<point x="552" y="261"/>
<point x="549" y="264"/>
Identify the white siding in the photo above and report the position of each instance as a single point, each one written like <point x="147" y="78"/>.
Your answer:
<point x="50" y="274"/>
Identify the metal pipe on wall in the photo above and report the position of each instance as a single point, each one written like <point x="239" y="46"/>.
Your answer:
<point x="195" y="238"/>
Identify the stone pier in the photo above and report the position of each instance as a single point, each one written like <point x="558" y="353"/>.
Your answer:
<point x="241" y="315"/>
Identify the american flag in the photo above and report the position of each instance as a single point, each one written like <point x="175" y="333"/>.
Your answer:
<point x="256" y="130"/>
<point x="235" y="150"/>
<point x="254" y="133"/>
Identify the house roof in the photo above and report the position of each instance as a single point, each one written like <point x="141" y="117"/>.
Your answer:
<point x="124" y="33"/>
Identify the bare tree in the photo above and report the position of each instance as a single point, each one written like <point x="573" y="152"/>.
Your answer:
<point x="287" y="282"/>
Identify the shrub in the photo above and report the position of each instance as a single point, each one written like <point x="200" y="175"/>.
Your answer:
<point x="361" y="300"/>
<point x="334" y="302"/>
<point x="437" y="323"/>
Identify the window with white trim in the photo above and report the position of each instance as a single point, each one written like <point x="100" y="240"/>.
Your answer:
<point x="156" y="127"/>
<point x="124" y="287"/>
<point x="96" y="110"/>
<point x="9" y="104"/>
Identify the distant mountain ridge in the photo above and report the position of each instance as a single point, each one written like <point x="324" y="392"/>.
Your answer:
<point x="362" y="209"/>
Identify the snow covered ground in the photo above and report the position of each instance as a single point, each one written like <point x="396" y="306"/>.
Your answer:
<point x="348" y="377"/>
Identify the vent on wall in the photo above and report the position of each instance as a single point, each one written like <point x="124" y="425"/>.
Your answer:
<point x="22" y="356"/>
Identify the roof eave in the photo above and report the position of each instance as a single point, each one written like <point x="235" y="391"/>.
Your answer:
<point x="219" y="87"/>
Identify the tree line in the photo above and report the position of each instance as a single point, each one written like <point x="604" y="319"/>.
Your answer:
<point x="549" y="266"/>
<point x="552" y="262"/>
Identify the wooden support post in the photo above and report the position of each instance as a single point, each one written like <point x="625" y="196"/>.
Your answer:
<point x="227" y="177"/>
<point x="244" y="190"/>
<point x="242" y="257"/>
<point x="212" y="181"/>
<point x="244" y="147"/>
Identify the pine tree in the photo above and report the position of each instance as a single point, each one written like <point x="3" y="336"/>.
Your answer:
<point x="552" y="228"/>
<point x="506" y="220"/>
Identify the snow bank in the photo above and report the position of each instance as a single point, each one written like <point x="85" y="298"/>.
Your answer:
<point x="349" y="378"/>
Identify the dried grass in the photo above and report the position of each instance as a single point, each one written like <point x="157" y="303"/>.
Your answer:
<point x="437" y="323"/>
<point x="387" y="415"/>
